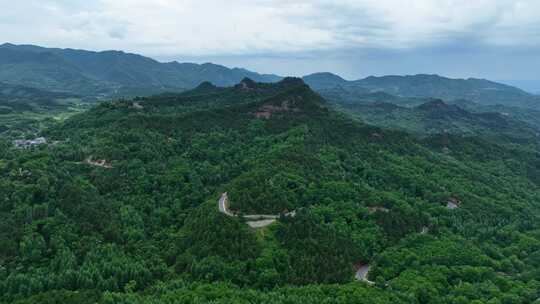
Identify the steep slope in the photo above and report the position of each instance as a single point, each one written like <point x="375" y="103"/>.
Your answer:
<point x="146" y="227"/>
<point x="108" y="73"/>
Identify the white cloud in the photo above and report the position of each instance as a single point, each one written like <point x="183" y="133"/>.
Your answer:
<point x="211" y="27"/>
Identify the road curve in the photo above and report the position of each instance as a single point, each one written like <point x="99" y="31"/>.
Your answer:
<point x="262" y="220"/>
<point x="362" y="273"/>
<point x="253" y="220"/>
<point x="224" y="204"/>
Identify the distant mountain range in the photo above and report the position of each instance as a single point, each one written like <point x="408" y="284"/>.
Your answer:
<point x="109" y="73"/>
<point x="480" y="91"/>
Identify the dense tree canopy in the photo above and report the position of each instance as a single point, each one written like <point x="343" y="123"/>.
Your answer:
<point x="145" y="227"/>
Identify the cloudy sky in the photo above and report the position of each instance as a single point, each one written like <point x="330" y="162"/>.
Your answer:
<point x="495" y="39"/>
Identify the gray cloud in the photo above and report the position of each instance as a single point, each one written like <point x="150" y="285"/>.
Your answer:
<point x="245" y="27"/>
<point x="117" y="33"/>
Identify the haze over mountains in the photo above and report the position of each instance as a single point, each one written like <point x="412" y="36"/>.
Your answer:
<point x="115" y="73"/>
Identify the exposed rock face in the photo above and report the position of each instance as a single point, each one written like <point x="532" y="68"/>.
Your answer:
<point x="266" y="111"/>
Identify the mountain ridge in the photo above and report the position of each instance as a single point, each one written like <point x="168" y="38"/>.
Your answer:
<point x="109" y="73"/>
<point x="115" y="73"/>
<point x="482" y="91"/>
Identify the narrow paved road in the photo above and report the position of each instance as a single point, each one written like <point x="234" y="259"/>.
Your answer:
<point x="223" y="204"/>
<point x="263" y="220"/>
<point x="260" y="224"/>
<point x="362" y="273"/>
<point x="451" y="205"/>
<point x="253" y="220"/>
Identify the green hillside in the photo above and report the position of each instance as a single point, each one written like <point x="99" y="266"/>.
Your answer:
<point x="124" y="208"/>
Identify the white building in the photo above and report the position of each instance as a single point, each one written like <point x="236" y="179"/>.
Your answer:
<point x="28" y="143"/>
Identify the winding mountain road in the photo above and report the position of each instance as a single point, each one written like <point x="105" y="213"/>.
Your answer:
<point x="223" y="204"/>
<point x="262" y="220"/>
<point x="362" y="273"/>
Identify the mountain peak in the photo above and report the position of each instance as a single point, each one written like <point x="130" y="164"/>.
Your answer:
<point x="295" y="99"/>
<point x="324" y="80"/>
<point x="205" y="86"/>
<point x="291" y="81"/>
<point x="325" y="76"/>
<point x="247" y="84"/>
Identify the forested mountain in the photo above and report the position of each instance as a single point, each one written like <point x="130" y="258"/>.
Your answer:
<point x="387" y="110"/>
<point x="436" y="117"/>
<point x="108" y="73"/>
<point x="319" y="81"/>
<point x="481" y="91"/>
<point x="124" y="207"/>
